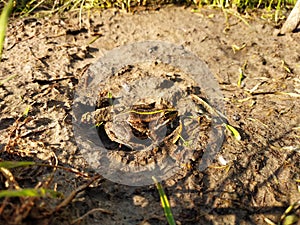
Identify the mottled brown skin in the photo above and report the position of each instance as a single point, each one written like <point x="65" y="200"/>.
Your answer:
<point x="144" y="121"/>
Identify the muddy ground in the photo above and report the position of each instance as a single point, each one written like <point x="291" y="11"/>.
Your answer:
<point x="48" y="56"/>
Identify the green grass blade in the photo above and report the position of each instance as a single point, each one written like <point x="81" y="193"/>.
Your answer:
<point x="29" y="192"/>
<point x="290" y="220"/>
<point x="165" y="203"/>
<point x="14" y="164"/>
<point x="241" y="77"/>
<point x="152" y="112"/>
<point x="31" y="9"/>
<point x="3" y="23"/>
<point x="233" y="131"/>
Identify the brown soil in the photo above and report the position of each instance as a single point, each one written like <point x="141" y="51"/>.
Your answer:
<point x="50" y="55"/>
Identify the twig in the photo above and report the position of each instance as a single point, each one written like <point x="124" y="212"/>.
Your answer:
<point x="73" y="194"/>
<point x="79" y="219"/>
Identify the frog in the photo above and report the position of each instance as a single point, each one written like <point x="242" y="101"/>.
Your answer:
<point x="138" y="127"/>
<point x="146" y="124"/>
<point x="151" y="122"/>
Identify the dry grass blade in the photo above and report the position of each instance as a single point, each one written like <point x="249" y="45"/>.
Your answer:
<point x="10" y="178"/>
<point x="236" y="14"/>
<point x="6" y="79"/>
<point x="209" y="108"/>
<point x="73" y="194"/>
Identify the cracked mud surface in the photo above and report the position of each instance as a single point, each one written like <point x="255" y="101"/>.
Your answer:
<point x="48" y="56"/>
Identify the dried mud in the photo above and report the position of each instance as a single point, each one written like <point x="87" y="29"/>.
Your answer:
<point x="48" y="56"/>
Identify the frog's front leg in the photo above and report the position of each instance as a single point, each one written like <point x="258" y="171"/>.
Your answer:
<point x="96" y="117"/>
<point x="119" y="132"/>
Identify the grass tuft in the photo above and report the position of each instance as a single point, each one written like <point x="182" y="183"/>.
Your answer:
<point x="27" y="7"/>
<point x="3" y="23"/>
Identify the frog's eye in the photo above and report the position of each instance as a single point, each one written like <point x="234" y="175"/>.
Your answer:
<point x="169" y="114"/>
